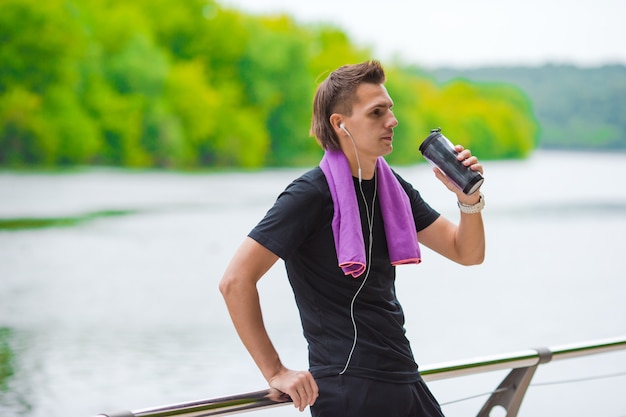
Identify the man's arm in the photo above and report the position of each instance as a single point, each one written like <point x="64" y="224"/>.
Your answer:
<point x="238" y="286"/>
<point x="463" y="243"/>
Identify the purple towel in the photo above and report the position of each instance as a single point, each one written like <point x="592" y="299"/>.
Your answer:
<point x="395" y="208"/>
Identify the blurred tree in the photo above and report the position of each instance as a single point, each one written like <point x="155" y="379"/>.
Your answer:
<point x="577" y="108"/>
<point x="24" y="138"/>
<point x="189" y="84"/>
<point x="40" y="43"/>
<point x="275" y="78"/>
<point x="42" y="122"/>
<point x="76" y="136"/>
<point x="494" y="120"/>
<point x="412" y="98"/>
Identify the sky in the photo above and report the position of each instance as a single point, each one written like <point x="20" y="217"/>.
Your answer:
<point x="470" y="33"/>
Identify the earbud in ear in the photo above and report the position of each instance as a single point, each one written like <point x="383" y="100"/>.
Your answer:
<point x="342" y="126"/>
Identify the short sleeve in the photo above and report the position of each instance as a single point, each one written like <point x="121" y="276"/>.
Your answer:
<point x="297" y="212"/>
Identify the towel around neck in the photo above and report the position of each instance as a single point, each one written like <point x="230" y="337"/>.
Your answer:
<point x="395" y="209"/>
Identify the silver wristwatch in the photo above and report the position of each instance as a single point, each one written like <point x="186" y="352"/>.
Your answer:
<point x="473" y="208"/>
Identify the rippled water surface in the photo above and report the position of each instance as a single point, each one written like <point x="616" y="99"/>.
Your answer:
<point x="109" y="301"/>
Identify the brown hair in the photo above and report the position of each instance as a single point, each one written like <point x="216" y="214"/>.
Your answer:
<point x="337" y="94"/>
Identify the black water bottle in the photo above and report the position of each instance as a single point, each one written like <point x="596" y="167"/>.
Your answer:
<point x="439" y="151"/>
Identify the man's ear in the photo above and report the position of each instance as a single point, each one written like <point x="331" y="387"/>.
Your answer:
<point x="336" y="120"/>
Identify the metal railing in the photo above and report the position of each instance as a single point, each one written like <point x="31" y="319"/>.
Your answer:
<point x="508" y="395"/>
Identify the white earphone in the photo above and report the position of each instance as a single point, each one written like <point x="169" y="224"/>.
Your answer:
<point x="342" y="126"/>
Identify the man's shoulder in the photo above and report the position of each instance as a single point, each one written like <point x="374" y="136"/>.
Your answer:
<point x="312" y="179"/>
<point x="314" y="174"/>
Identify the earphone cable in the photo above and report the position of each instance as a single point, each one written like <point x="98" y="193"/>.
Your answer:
<point x="370" y="224"/>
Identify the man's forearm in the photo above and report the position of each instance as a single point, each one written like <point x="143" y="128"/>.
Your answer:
<point x="245" y="312"/>
<point x="470" y="239"/>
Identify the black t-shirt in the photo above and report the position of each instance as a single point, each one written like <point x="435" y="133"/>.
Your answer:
<point x="298" y="229"/>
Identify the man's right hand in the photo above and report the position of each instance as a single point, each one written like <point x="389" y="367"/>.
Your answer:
<point x="299" y="385"/>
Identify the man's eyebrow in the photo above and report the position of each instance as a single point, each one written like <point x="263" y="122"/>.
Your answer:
<point x="381" y="104"/>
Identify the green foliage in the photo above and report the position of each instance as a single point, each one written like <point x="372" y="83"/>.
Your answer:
<point x="490" y="119"/>
<point x="494" y="120"/>
<point x="577" y="108"/>
<point x="6" y="358"/>
<point x="164" y="83"/>
<point x="24" y="138"/>
<point x="411" y="96"/>
<point x="23" y="223"/>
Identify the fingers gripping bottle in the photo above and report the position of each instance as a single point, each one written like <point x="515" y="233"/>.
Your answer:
<point x="439" y="151"/>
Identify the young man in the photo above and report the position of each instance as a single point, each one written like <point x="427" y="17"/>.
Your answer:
<point x="341" y="229"/>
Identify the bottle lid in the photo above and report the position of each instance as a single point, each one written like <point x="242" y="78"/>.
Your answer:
<point x="433" y="134"/>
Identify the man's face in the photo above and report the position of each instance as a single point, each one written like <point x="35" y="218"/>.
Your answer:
<point x="372" y="121"/>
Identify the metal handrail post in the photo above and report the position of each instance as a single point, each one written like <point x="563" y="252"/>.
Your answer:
<point x="512" y="389"/>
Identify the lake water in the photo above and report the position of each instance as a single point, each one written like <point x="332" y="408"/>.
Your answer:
<point x="123" y="312"/>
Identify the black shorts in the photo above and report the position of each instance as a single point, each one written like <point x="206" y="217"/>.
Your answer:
<point x="348" y="396"/>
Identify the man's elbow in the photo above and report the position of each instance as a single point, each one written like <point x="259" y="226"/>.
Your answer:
<point x="234" y="286"/>
<point x="473" y="259"/>
<point x="226" y="287"/>
<point x="479" y="259"/>
<point x="475" y="262"/>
